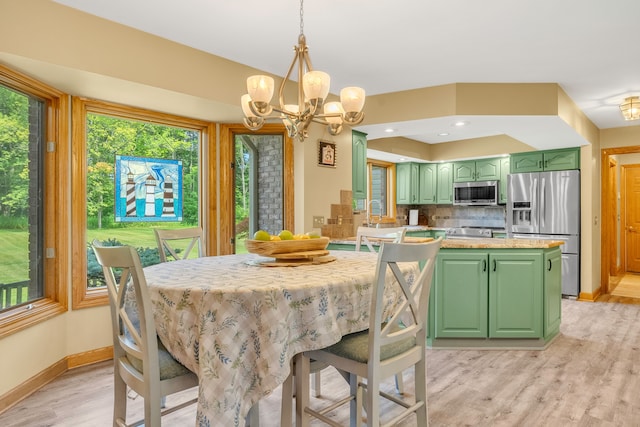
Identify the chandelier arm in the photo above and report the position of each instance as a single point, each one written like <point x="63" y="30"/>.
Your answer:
<point x="286" y="78"/>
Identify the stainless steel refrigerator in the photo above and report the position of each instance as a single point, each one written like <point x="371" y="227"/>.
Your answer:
<point x="546" y="205"/>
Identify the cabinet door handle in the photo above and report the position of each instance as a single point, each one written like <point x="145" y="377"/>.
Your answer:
<point x="484" y="265"/>
<point x="546" y="163"/>
<point x="495" y="265"/>
<point x="539" y="163"/>
<point x="549" y="269"/>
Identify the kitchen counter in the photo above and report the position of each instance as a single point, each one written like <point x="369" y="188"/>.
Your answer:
<point x="500" y="243"/>
<point x="465" y="243"/>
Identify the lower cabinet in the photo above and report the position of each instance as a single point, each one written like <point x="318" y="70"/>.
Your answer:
<point x="496" y="293"/>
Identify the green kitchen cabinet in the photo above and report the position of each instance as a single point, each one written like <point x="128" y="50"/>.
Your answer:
<point x="558" y="160"/>
<point x="444" y="190"/>
<point x="427" y="183"/>
<point x="551" y="160"/>
<point x="461" y="289"/>
<point x="407" y="183"/>
<point x="505" y="168"/>
<point x="496" y="294"/>
<point x="359" y="164"/>
<point x="552" y="293"/>
<point x="515" y="294"/>
<point x="476" y="170"/>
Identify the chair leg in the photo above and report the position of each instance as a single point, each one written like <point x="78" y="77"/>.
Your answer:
<point x="356" y="403"/>
<point x="286" y="416"/>
<point x="421" y="392"/>
<point x="399" y="383"/>
<point x="302" y="389"/>
<point x="315" y="384"/>
<point x="253" y="417"/>
<point x="119" y="400"/>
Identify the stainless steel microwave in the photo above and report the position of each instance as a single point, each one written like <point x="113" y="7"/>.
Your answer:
<point x="476" y="193"/>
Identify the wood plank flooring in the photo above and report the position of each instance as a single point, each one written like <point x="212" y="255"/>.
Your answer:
<point x="589" y="376"/>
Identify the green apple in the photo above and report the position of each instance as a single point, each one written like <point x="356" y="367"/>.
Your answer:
<point x="262" y="235"/>
<point x="286" y="235"/>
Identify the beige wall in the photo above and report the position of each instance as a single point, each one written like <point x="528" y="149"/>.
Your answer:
<point x="91" y="57"/>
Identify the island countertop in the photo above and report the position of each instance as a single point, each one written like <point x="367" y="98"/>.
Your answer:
<point x="493" y="243"/>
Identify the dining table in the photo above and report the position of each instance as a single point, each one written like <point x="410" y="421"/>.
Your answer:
<point x="237" y="321"/>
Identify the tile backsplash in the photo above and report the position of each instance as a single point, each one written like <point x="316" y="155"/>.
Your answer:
<point x="445" y="216"/>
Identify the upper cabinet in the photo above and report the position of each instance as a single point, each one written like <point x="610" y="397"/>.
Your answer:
<point x="407" y="183"/>
<point x="505" y="167"/>
<point x="427" y="183"/>
<point x="424" y="183"/>
<point x="476" y="170"/>
<point x="359" y="164"/>
<point x="444" y="192"/>
<point x="552" y="160"/>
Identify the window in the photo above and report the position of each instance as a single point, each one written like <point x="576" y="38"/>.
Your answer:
<point x="381" y="188"/>
<point x="33" y="156"/>
<point x="259" y="192"/>
<point x="136" y="170"/>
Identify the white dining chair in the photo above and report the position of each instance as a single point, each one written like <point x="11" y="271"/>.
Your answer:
<point x="363" y="234"/>
<point x="384" y="349"/>
<point x="169" y="240"/>
<point x="141" y="362"/>
<point x="395" y="235"/>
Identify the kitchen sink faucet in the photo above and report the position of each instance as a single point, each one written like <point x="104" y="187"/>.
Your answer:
<point x="369" y="213"/>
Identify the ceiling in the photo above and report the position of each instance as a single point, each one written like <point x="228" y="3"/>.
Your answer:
<point x="585" y="46"/>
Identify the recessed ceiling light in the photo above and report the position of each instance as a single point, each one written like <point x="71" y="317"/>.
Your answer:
<point x="460" y="123"/>
<point x="443" y="134"/>
<point x="389" y="130"/>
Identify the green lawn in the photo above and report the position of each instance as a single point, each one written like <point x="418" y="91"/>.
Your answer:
<point x="14" y="264"/>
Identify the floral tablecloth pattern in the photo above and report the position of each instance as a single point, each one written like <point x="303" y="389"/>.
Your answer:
<point x="237" y="324"/>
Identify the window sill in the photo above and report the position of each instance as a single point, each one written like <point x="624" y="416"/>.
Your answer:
<point x="25" y="316"/>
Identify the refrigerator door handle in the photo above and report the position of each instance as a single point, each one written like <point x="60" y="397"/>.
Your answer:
<point x="542" y="200"/>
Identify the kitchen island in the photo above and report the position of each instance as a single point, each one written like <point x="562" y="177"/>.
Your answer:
<point x="494" y="293"/>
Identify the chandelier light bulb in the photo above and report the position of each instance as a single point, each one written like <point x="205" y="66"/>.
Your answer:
<point x="331" y="109"/>
<point x="352" y="99"/>
<point x="316" y="85"/>
<point x="260" y="88"/>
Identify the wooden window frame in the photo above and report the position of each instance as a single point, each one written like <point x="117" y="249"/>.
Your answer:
<point x="227" y="195"/>
<point x="84" y="297"/>
<point x="56" y="206"/>
<point x="391" y="184"/>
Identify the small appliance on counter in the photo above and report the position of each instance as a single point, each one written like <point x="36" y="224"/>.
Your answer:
<point x="413" y="217"/>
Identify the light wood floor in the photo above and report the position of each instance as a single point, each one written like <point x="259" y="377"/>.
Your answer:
<point x="626" y="289"/>
<point x="589" y="376"/>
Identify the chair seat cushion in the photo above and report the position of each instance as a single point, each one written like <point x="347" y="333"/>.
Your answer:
<point x="169" y="367"/>
<point x="356" y="347"/>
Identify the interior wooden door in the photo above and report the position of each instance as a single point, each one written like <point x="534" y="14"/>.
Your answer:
<point x="632" y="218"/>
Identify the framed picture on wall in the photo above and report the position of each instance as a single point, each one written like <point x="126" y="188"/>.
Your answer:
<point x="326" y="153"/>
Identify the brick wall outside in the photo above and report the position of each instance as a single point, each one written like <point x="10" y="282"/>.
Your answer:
<point x="270" y="182"/>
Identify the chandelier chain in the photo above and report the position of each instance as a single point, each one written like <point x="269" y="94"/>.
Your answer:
<point x="301" y="17"/>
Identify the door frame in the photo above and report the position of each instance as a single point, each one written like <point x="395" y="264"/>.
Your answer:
<point x="607" y="197"/>
<point x="227" y="198"/>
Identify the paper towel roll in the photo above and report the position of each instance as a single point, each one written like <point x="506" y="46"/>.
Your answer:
<point x="413" y="217"/>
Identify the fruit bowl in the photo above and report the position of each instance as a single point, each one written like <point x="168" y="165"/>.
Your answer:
<point x="278" y="247"/>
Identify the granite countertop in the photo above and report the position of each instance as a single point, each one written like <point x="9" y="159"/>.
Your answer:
<point x="469" y="243"/>
<point x="375" y="241"/>
<point x="499" y="244"/>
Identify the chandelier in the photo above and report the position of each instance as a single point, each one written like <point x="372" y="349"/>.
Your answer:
<point x="313" y="88"/>
<point x="631" y="108"/>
